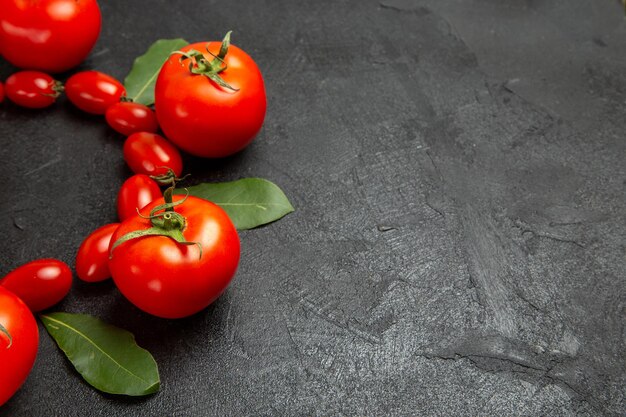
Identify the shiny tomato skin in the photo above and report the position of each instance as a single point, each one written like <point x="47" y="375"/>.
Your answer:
<point x="40" y="284"/>
<point x="168" y="279"/>
<point x="127" y="118"/>
<point x="17" y="355"/>
<point x="48" y="35"/>
<point x="203" y="118"/>
<point x="135" y="193"/>
<point x="32" y="89"/>
<point x="148" y="153"/>
<point x="92" y="258"/>
<point x="93" y="91"/>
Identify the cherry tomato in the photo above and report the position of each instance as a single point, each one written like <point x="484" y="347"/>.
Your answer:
<point x="135" y="193"/>
<point x="151" y="154"/>
<point x="40" y="284"/>
<point x="127" y="118"/>
<point x="169" y="279"/>
<point x="93" y="91"/>
<point x="48" y="35"/>
<point x="17" y="351"/>
<point x="92" y="259"/>
<point x="1" y="92"/>
<point x="32" y="89"/>
<point x="202" y="117"/>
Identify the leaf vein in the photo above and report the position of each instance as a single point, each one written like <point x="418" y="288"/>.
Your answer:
<point x="145" y="86"/>
<point x="96" y="346"/>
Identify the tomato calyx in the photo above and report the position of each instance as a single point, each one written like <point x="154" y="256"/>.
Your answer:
<point x="165" y="222"/>
<point x="211" y="69"/>
<point x="5" y="331"/>
<point x="57" y="88"/>
<point x="169" y="178"/>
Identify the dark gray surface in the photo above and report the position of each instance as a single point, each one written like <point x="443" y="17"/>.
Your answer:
<point x="458" y="246"/>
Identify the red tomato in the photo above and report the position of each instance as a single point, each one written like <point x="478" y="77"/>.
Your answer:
<point x="1" y="92"/>
<point x="127" y="118"/>
<point x="17" y="352"/>
<point x="93" y="91"/>
<point x="32" y="89"/>
<point x="169" y="279"/>
<point x="150" y="154"/>
<point x="92" y="259"/>
<point x="203" y="118"/>
<point x="40" y="284"/>
<point x="135" y="193"/>
<point x="48" y="35"/>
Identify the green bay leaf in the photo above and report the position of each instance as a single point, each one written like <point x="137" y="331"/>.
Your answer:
<point x="140" y="81"/>
<point x="106" y="356"/>
<point x="249" y="202"/>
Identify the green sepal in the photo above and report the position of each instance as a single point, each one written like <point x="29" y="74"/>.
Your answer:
<point x="210" y="69"/>
<point x="220" y="81"/>
<point x="169" y="178"/>
<point x="174" y="234"/>
<point x="5" y="331"/>
<point x="224" y="46"/>
<point x="168" y="223"/>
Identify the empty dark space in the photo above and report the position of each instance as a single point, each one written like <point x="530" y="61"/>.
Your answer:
<point x="458" y="171"/>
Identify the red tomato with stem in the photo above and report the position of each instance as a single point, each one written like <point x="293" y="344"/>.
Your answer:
<point x="127" y="118"/>
<point x="151" y="154"/>
<point x="33" y="89"/>
<point x="92" y="258"/>
<point x="40" y="284"/>
<point x="19" y="339"/>
<point x="93" y="91"/>
<point x="169" y="279"/>
<point x="136" y="192"/>
<point x="48" y="35"/>
<point x="210" y="104"/>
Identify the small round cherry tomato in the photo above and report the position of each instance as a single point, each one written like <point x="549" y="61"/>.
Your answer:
<point x="19" y="339"/>
<point x="151" y="154"/>
<point x="93" y="91"/>
<point x="92" y="259"/>
<point x="127" y="118"/>
<point x="201" y="116"/>
<point x="33" y="89"/>
<point x="135" y="193"/>
<point x="1" y="92"/>
<point x="170" y="279"/>
<point x="40" y="284"/>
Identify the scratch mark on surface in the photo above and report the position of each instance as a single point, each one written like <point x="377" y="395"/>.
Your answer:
<point x="100" y="52"/>
<point x="44" y="166"/>
<point x="329" y="318"/>
<point x="558" y="239"/>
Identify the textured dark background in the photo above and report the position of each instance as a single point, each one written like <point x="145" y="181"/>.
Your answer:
<point x="458" y="170"/>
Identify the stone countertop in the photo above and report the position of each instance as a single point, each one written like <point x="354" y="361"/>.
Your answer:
<point x="458" y="174"/>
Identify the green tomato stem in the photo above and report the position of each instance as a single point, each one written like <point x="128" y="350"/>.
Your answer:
<point x="211" y="69"/>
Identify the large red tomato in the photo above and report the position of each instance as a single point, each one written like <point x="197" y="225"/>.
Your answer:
<point x="170" y="279"/>
<point x="201" y="116"/>
<point x="19" y="339"/>
<point x="48" y="35"/>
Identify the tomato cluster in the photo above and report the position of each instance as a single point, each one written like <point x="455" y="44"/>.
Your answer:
<point x="169" y="255"/>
